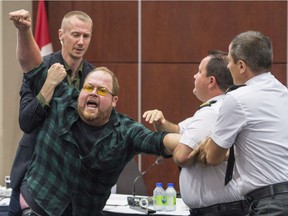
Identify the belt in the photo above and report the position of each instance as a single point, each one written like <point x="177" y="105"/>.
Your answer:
<point x="221" y="207"/>
<point x="267" y="191"/>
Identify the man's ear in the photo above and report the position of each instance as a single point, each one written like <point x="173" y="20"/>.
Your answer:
<point x="60" y="32"/>
<point x="242" y="66"/>
<point x="114" y="101"/>
<point x="213" y="81"/>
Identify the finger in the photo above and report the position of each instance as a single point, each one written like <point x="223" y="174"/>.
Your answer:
<point x="198" y="158"/>
<point x="194" y="153"/>
<point x="24" y="21"/>
<point x="144" y="115"/>
<point x="15" y="18"/>
<point x="13" y="15"/>
<point x="153" y="117"/>
<point x="147" y="116"/>
<point x="203" y="159"/>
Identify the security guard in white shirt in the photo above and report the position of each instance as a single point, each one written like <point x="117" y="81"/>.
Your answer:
<point x="254" y="120"/>
<point x="202" y="188"/>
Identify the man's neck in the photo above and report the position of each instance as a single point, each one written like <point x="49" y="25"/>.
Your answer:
<point x="213" y="94"/>
<point x="73" y="64"/>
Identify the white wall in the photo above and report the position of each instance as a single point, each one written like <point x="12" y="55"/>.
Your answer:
<point x="10" y="81"/>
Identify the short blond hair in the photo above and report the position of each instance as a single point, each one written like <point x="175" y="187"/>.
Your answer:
<point x="115" y="83"/>
<point x="79" y="14"/>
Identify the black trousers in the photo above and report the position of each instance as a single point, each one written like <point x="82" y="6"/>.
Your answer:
<point x="270" y="200"/>
<point x="238" y="208"/>
<point x="14" y="208"/>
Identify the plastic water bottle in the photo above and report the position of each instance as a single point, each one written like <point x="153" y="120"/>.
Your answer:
<point x="170" y="195"/>
<point x="158" y="197"/>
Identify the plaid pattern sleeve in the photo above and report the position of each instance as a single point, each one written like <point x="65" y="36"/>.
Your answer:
<point x="54" y="161"/>
<point x="36" y="77"/>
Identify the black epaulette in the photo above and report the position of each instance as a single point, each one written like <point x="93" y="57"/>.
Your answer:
<point x="209" y="103"/>
<point x="233" y="87"/>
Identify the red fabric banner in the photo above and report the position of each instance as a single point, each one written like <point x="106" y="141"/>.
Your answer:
<point x="42" y="35"/>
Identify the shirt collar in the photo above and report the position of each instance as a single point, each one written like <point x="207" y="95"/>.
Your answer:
<point x="258" y="78"/>
<point x="69" y="70"/>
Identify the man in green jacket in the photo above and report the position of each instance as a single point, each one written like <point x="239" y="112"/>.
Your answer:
<point x="84" y="144"/>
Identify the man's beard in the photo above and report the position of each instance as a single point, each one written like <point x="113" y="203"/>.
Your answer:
<point x="94" y="119"/>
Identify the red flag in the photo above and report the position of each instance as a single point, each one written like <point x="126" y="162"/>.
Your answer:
<point x="42" y="36"/>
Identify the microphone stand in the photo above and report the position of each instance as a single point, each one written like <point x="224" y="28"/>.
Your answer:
<point x="158" y="161"/>
<point x="133" y="201"/>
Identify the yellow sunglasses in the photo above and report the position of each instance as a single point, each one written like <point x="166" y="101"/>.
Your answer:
<point x="99" y="90"/>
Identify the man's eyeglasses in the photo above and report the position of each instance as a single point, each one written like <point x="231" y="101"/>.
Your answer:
<point x="99" y="90"/>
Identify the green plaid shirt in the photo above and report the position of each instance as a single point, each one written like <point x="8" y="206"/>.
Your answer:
<point x="59" y="175"/>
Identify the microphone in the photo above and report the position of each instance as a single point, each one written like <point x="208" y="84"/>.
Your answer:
<point x="158" y="161"/>
<point x="134" y="202"/>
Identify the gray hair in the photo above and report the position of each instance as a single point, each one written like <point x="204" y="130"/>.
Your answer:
<point x="255" y="49"/>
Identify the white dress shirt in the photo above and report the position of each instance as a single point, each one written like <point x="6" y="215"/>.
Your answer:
<point x="204" y="186"/>
<point x="255" y="118"/>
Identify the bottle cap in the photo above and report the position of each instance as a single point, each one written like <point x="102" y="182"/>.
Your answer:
<point x="159" y="184"/>
<point x="170" y="184"/>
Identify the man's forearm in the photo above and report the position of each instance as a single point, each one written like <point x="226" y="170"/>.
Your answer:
<point x="28" y="52"/>
<point x="171" y="140"/>
<point x="47" y="92"/>
<point x="214" y="153"/>
<point x="167" y="126"/>
<point x="181" y="154"/>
